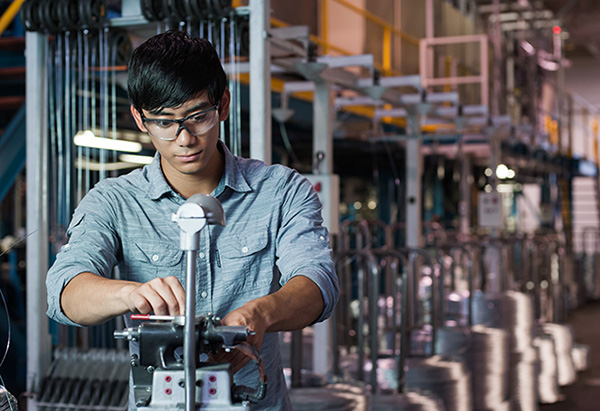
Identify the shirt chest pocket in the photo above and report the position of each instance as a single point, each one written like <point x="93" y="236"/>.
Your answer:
<point x="151" y="260"/>
<point x="244" y="260"/>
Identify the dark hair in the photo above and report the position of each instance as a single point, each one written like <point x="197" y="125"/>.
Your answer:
<point x="171" y="68"/>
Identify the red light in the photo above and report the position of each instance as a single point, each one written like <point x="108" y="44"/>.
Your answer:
<point x="556" y="30"/>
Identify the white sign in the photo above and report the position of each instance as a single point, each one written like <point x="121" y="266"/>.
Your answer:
<point x="490" y="209"/>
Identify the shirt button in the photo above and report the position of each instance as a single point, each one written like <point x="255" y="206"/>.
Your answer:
<point x="321" y="237"/>
<point x="201" y="255"/>
<point x="244" y="249"/>
<point x="155" y="257"/>
<point x="204" y="294"/>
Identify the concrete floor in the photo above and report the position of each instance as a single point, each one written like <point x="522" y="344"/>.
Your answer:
<point x="584" y="394"/>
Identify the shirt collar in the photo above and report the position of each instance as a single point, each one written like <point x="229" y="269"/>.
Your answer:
<point x="233" y="176"/>
<point x="158" y="185"/>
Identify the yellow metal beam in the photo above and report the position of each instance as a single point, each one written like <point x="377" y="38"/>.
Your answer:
<point x="10" y="14"/>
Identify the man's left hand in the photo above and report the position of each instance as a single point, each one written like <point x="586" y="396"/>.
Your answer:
<point x="247" y="316"/>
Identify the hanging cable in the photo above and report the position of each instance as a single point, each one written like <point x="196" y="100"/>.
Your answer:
<point x="8" y="327"/>
<point x="287" y="143"/>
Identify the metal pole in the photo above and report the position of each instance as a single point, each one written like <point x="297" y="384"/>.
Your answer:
<point x="373" y="296"/>
<point x="466" y="174"/>
<point x="189" y="342"/>
<point x="429" y="34"/>
<point x="38" y="340"/>
<point x="495" y="108"/>
<point x="260" y="81"/>
<point x="323" y="165"/>
<point x="322" y="128"/>
<point x="413" y="183"/>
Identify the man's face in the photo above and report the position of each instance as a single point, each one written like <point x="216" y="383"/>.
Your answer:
<point x="187" y="154"/>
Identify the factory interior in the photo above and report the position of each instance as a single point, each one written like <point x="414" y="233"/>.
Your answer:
<point x="454" y="146"/>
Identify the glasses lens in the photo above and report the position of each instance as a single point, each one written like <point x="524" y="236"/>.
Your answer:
<point x="164" y="130"/>
<point x="201" y="122"/>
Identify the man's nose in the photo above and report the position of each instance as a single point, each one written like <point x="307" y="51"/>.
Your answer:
<point x="183" y="137"/>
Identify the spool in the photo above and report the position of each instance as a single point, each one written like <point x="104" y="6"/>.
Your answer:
<point x="513" y="312"/>
<point x="548" y="388"/>
<point x="339" y="396"/>
<point x="487" y="357"/>
<point x="410" y="401"/>
<point x="563" y="340"/>
<point x="581" y="356"/>
<point x="523" y="379"/>
<point x="447" y="378"/>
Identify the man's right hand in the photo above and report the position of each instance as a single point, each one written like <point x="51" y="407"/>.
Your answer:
<point x="161" y="296"/>
<point x="90" y="299"/>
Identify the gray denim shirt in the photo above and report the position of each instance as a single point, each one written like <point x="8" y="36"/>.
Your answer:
<point x="273" y="232"/>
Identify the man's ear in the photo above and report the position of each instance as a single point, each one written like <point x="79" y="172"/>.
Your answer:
<point x="138" y="118"/>
<point x="224" y="105"/>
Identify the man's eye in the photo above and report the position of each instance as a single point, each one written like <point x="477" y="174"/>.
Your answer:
<point x="199" y="118"/>
<point x="162" y="123"/>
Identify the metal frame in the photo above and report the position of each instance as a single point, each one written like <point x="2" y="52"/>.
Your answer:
<point x="260" y="81"/>
<point x="39" y="346"/>
<point x="426" y="45"/>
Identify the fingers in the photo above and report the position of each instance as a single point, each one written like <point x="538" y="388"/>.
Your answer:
<point x="175" y="295"/>
<point x="251" y="320"/>
<point x="162" y="296"/>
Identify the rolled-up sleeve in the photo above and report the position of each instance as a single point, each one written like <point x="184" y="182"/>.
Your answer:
<point x="91" y="247"/>
<point x="303" y="246"/>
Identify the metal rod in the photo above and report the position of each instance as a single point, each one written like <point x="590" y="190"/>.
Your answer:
<point x="39" y="347"/>
<point x="296" y="362"/>
<point x="260" y="81"/>
<point x="414" y="252"/>
<point x="403" y="330"/>
<point x="80" y="105"/>
<point x="189" y="345"/>
<point x="373" y="298"/>
<point x="361" y="321"/>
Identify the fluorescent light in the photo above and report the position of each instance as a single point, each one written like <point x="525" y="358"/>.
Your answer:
<point x="132" y="158"/>
<point x="88" y="139"/>
<point x="96" y="166"/>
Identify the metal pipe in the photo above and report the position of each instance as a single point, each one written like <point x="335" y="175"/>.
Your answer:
<point x="260" y="81"/>
<point x="413" y="253"/>
<point x="296" y="361"/>
<point x="322" y="128"/>
<point x="373" y="297"/>
<point x="38" y="339"/>
<point x="361" y="321"/>
<point x="189" y="341"/>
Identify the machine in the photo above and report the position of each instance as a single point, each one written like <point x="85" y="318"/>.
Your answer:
<point x="171" y="371"/>
<point x="158" y="370"/>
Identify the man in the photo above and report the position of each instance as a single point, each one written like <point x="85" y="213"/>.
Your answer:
<point x="268" y="269"/>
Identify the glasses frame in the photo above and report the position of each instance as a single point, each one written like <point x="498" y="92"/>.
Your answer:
<point x="180" y="122"/>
